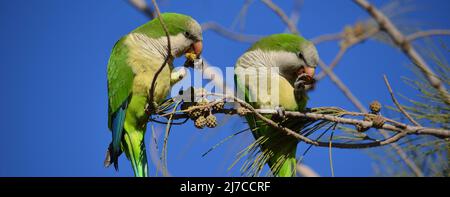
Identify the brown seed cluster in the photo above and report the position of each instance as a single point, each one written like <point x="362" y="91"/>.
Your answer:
<point x="200" y="122"/>
<point x="194" y="113"/>
<point x="218" y="105"/>
<point x="211" y="121"/>
<point x="202" y="113"/>
<point x="375" y="107"/>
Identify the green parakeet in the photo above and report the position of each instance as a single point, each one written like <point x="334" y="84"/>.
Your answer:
<point x="132" y="65"/>
<point x="295" y="59"/>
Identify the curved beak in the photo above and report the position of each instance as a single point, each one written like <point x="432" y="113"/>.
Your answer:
<point x="197" y="47"/>
<point x="310" y="71"/>
<point x="307" y="70"/>
<point x="306" y="73"/>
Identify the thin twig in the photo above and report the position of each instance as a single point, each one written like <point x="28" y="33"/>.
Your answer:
<point x="230" y="34"/>
<point x="327" y="37"/>
<point x="166" y="140"/>
<point x="295" y="14"/>
<point x="402" y="110"/>
<point x="428" y="33"/>
<point x="399" y="128"/>
<point x="240" y="18"/>
<point x="142" y="6"/>
<point x="401" y="41"/>
<point x="330" y="155"/>
<point x="291" y="26"/>
<point x="166" y="60"/>
<point x="345" y="47"/>
<point x="342" y="87"/>
<point x="335" y="61"/>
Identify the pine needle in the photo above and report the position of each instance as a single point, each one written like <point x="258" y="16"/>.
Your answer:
<point x="156" y="146"/>
<point x="330" y="154"/>
<point x="166" y="139"/>
<point x="224" y="140"/>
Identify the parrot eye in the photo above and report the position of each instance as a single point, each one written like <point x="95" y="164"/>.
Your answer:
<point x="187" y="34"/>
<point x="301" y="56"/>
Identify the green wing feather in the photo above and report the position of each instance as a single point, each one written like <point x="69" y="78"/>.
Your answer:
<point x="120" y="78"/>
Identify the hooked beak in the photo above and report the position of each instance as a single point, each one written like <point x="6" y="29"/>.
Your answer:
<point x="197" y="47"/>
<point x="307" y="74"/>
<point x="309" y="71"/>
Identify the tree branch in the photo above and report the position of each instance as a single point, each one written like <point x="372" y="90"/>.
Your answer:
<point x="335" y="79"/>
<point x="401" y="41"/>
<point x="401" y="129"/>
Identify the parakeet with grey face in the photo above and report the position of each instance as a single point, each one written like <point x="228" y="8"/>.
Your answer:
<point x="132" y="65"/>
<point x="295" y="59"/>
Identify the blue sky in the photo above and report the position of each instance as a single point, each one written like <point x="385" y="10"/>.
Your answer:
<point x="53" y="82"/>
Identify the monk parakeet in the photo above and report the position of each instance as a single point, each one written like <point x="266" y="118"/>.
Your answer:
<point x="132" y="65"/>
<point x="295" y="59"/>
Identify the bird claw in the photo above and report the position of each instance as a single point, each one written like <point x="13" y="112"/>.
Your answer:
<point x="299" y="84"/>
<point x="151" y="109"/>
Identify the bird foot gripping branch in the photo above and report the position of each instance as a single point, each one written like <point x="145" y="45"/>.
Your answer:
<point x="151" y="109"/>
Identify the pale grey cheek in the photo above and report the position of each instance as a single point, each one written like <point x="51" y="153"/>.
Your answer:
<point x="292" y="70"/>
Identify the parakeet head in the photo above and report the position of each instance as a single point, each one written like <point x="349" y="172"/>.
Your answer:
<point x="293" y="54"/>
<point x="185" y="32"/>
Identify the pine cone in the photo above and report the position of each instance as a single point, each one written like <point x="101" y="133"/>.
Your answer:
<point x="211" y="121"/>
<point x="200" y="122"/>
<point x="204" y="102"/>
<point x="194" y="114"/>
<point x="375" y="107"/>
<point x="218" y="106"/>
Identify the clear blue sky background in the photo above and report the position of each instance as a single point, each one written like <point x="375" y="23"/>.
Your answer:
<point x="53" y="82"/>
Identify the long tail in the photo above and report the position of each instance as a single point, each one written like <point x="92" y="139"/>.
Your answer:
<point x="115" y="149"/>
<point x="279" y="149"/>
<point x="135" y="150"/>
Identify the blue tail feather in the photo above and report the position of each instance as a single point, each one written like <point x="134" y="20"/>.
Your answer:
<point x="118" y="120"/>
